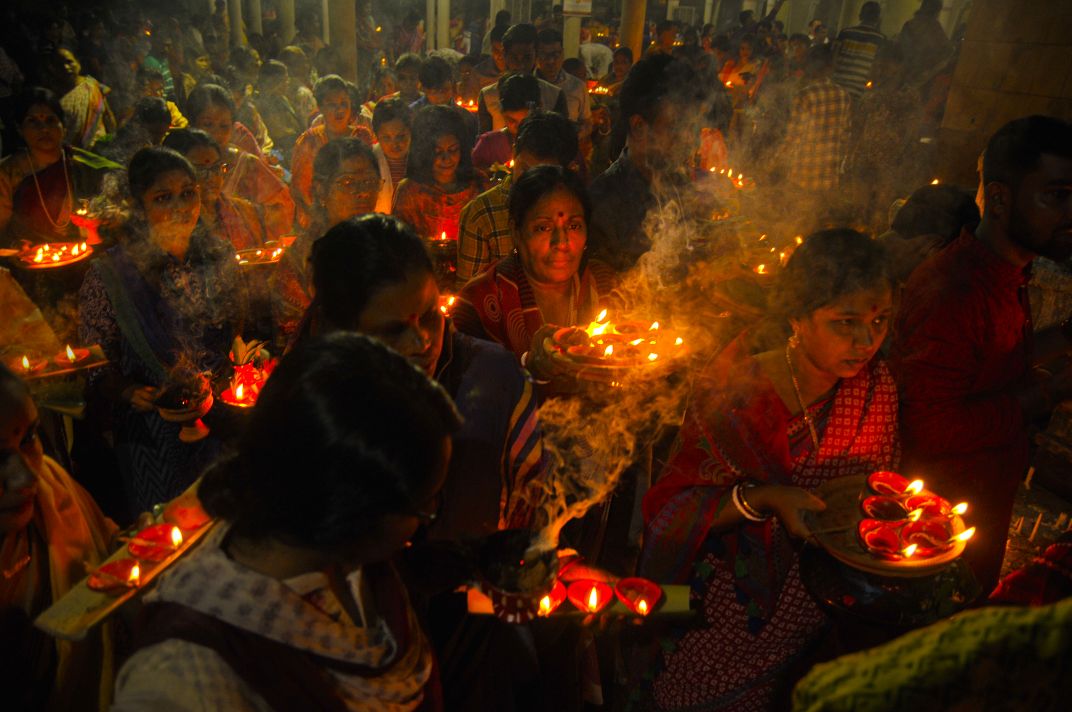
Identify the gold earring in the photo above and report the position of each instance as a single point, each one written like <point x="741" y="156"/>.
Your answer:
<point x="794" y="340"/>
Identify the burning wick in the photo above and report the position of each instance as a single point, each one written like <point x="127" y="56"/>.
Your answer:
<point x="914" y="487"/>
<point x="25" y="363"/>
<point x="239" y="391"/>
<point x="678" y="341"/>
<point x="545" y="606"/>
<point x="909" y="550"/>
<point x="915" y="514"/>
<point x="642" y="607"/>
<point x="654" y="326"/>
<point x="609" y="350"/>
<point x="652" y="357"/>
<point x="934" y="182"/>
<point x="510" y="164"/>
<point x="135" y="575"/>
<point x="964" y="535"/>
<point x="593" y="600"/>
<point x="443" y="235"/>
<point x="602" y="316"/>
<point x="176" y="537"/>
<point x="960" y="509"/>
<point x="70" y="354"/>
<point x="868" y="85"/>
<point x="729" y="85"/>
<point x="761" y="269"/>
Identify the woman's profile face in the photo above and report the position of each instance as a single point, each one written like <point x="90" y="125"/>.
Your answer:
<point x="551" y="237"/>
<point x="172" y="205"/>
<point x="20" y="457"/>
<point x="447" y="156"/>
<point x="42" y="129"/>
<point x="209" y="166"/>
<point x="217" y="122"/>
<point x="840" y="338"/>
<point x="352" y="191"/>
<point x="405" y="316"/>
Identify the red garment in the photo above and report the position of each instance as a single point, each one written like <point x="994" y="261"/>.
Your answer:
<point x="493" y="147"/>
<point x="432" y="212"/>
<point x="757" y="613"/>
<point x="961" y="344"/>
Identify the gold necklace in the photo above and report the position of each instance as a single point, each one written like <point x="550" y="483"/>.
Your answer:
<point x="41" y="198"/>
<point x="800" y="400"/>
<point x="22" y="563"/>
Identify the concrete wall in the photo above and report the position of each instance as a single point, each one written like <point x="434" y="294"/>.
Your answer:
<point x="1016" y="60"/>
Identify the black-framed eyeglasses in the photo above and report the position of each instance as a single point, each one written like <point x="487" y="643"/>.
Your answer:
<point x="219" y="168"/>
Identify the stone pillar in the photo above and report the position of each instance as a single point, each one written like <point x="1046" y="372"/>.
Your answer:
<point x="342" y="21"/>
<point x="631" y="32"/>
<point x="430" y="24"/>
<point x="671" y="5"/>
<point x="442" y="26"/>
<point x="571" y="35"/>
<point x="253" y="10"/>
<point x="234" y="17"/>
<point x="708" y="10"/>
<point x="286" y="21"/>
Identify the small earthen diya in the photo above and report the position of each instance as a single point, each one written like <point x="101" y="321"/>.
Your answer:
<point x="881" y="538"/>
<point x="884" y="507"/>
<point x="71" y="356"/>
<point x="892" y="484"/>
<point x="554" y="598"/>
<point x="155" y="543"/>
<point x="589" y="596"/>
<point x="116" y="577"/>
<point x="638" y="594"/>
<point x="27" y="363"/>
<point x="929" y="536"/>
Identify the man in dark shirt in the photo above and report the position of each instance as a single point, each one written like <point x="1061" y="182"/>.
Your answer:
<point x="964" y="353"/>
<point x="661" y="106"/>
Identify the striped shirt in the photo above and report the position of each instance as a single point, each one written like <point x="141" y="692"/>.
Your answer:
<point x="855" y="53"/>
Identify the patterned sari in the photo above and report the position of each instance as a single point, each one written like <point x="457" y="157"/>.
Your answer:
<point x="758" y="616"/>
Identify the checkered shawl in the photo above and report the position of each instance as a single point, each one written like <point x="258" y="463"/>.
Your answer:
<point x="484" y="234"/>
<point x="818" y="135"/>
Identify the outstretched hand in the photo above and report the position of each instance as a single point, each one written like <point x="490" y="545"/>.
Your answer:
<point x="788" y="504"/>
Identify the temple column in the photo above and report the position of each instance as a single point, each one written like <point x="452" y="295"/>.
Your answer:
<point x="286" y="21"/>
<point x="253" y="10"/>
<point x="234" y="17"/>
<point x="342" y="23"/>
<point x="631" y="33"/>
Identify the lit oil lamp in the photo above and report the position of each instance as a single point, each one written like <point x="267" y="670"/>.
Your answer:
<point x="869" y="85"/>
<point x="116" y="577"/>
<point x="27" y="364"/>
<point x="155" y="543"/>
<point x="934" y="182"/>
<point x="552" y="600"/>
<point x="239" y="395"/>
<point x="446" y="303"/>
<point x="638" y="594"/>
<point x="70" y="356"/>
<point x="589" y="596"/>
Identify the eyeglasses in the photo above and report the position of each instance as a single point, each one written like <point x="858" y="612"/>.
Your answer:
<point x="352" y="186"/>
<point x="219" y="168"/>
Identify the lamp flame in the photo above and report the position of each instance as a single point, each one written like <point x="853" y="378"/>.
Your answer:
<point x="642" y="607"/>
<point x="909" y="550"/>
<point x="652" y="357"/>
<point x="593" y="600"/>
<point x="25" y="363"/>
<point x="964" y="535"/>
<point x="934" y="182"/>
<point x="915" y="514"/>
<point x="678" y="341"/>
<point x="654" y="326"/>
<point x="70" y="354"/>
<point x="609" y="350"/>
<point x="239" y="391"/>
<point x="176" y="537"/>
<point x="914" y="487"/>
<point x="960" y="509"/>
<point x="602" y="316"/>
<point x="135" y="574"/>
<point x="545" y="606"/>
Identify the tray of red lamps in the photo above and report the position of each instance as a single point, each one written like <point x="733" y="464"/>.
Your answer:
<point x="883" y="525"/>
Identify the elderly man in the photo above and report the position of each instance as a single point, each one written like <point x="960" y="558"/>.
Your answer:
<point x="964" y="353"/>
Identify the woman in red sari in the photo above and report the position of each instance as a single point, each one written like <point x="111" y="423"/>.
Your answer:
<point x="440" y="178"/>
<point x="761" y="431"/>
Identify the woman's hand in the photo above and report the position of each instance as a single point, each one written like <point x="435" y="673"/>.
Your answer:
<point x="140" y="397"/>
<point x="787" y="503"/>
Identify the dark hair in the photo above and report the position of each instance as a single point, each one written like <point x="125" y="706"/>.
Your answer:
<point x="497" y="33"/>
<point x="537" y="182"/>
<point x="344" y="432"/>
<point x="394" y="109"/>
<point x="468" y="59"/>
<point x="272" y="71"/>
<point x="502" y="18"/>
<point x="185" y="140"/>
<point x="722" y="43"/>
<point x="828" y="266"/>
<point x="546" y="134"/>
<point x="818" y="59"/>
<point x="665" y="25"/>
<point x="148" y="163"/>
<point x="572" y="65"/>
<point x="655" y="80"/>
<point x="1015" y="149"/>
<point x="293" y="56"/>
<point x="331" y="155"/>
<point x="523" y="33"/>
<point x="929" y="7"/>
<point x="33" y="96"/>
<point x="943" y="210"/>
<point x="548" y="36"/>
<point x="745" y="16"/>
<point x="870" y="11"/>
<point x="518" y="91"/>
<point x="409" y="60"/>
<point x="429" y="124"/>
<point x="627" y="52"/>
<point x="357" y="258"/>
<point x="328" y="85"/>
<point x="435" y="72"/>
<point x="146" y="75"/>
<point x="801" y="38"/>
<point x="749" y="40"/>
<point x="205" y="96"/>
<point x="152" y="111"/>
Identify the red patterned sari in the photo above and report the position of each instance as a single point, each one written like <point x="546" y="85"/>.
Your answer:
<point x="758" y="616"/>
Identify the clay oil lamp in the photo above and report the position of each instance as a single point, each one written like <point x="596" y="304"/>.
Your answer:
<point x="639" y="595"/>
<point x="589" y="596"/>
<point x="116" y="577"/>
<point x="71" y="356"/>
<point x="155" y="543"/>
<point x="552" y="600"/>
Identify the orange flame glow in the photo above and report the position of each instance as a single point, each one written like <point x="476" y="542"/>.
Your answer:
<point x="545" y="606"/>
<point x="609" y="350"/>
<point x="593" y="600"/>
<point x="964" y="535"/>
<point x="239" y="391"/>
<point x="176" y="537"/>
<point x="70" y="354"/>
<point x="26" y="363"/>
<point x="914" y="487"/>
<point x="909" y="550"/>
<point x="642" y="607"/>
<point x="135" y="574"/>
<point x="960" y="509"/>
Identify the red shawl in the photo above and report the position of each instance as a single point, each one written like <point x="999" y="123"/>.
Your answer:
<point x="499" y="305"/>
<point x="737" y="428"/>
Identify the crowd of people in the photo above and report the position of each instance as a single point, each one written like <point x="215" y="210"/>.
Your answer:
<point x="437" y="218"/>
